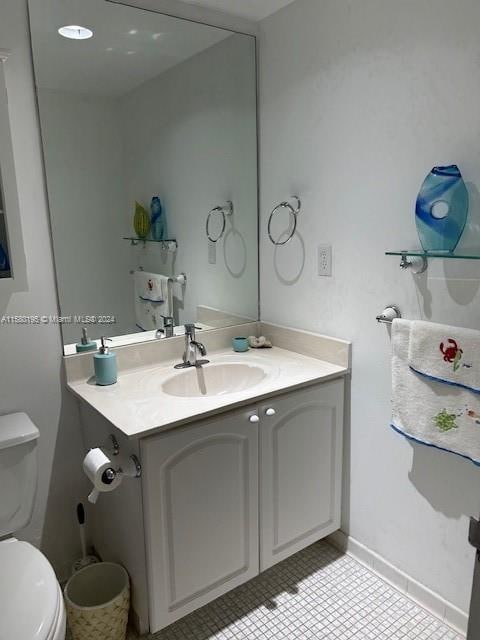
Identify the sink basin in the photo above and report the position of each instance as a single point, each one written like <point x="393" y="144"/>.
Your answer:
<point x="214" y="380"/>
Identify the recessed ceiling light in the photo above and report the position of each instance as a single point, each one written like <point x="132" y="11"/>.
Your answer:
<point x="131" y="53"/>
<point x="132" y="32"/>
<point x="75" y="32"/>
<point x="157" y="36"/>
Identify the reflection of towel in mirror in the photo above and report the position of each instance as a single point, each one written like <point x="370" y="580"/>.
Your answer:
<point x="428" y="411"/>
<point x="152" y="299"/>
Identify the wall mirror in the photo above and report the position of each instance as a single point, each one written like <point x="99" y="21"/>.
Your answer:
<point x="12" y="255"/>
<point x="149" y="131"/>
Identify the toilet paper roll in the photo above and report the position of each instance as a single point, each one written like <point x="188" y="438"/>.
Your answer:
<point x="95" y="464"/>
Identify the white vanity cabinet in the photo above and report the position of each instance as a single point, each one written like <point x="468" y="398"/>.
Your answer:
<point x="201" y="513"/>
<point x="205" y="484"/>
<point x="301" y="437"/>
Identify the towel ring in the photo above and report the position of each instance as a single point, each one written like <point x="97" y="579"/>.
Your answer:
<point x="224" y="211"/>
<point x="293" y="210"/>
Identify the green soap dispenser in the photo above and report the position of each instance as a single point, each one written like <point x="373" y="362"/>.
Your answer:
<point x="85" y="344"/>
<point x="105" y="364"/>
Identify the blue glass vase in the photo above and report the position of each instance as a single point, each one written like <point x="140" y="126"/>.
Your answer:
<point x="158" y="225"/>
<point x="442" y="209"/>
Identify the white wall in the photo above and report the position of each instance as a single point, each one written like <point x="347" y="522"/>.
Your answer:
<point x="86" y="187"/>
<point x="190" y="137"/>
<point x="30" y="356"/>
<point x="358" y="101"/>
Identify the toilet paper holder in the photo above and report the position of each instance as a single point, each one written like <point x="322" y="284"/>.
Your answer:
<point x="105" y="474"/>
<point x="110" y="475"/>
<point x="135" y="471"/>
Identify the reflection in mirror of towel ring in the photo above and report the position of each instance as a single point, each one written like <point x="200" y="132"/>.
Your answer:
<point x="294" y="210"/>
<point x="226" y="210"/>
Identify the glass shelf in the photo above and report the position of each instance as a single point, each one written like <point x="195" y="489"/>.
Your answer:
<point x="419" y="253"/>
<point x="170" y="244"/>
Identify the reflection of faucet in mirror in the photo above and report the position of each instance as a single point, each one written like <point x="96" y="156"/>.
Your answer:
<point x="167" y="330"/>
<point x="191" y="348"/>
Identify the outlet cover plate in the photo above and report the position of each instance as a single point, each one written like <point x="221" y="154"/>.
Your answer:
<point x="325" y="260"/>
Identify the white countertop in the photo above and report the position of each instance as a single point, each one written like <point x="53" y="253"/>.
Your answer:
<point x="138" y="406"/>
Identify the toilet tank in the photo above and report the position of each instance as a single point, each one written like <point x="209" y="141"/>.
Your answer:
<point x="18" y="471"/>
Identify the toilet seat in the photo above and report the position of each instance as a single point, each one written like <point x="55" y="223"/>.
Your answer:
<point x="59" y="628"/>
<point x="30" y="598"/>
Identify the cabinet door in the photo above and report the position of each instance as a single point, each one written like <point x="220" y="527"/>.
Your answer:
<point x="301" y="467"/>
<point x="201" y="512"/>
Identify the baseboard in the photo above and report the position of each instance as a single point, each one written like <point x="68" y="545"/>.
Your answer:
<point x="438" y="606"/>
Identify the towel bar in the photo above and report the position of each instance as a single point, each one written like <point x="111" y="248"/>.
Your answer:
<point x="389" y="314"/>
<point x="180" y="279"/>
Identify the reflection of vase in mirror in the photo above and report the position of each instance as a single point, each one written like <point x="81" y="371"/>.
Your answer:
<point x="441" y="209"/>
<point x="141" y="221"/>
<point x="158" y="224"/>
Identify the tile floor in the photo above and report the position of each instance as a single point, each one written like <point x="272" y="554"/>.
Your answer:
<point x="318" y="594"/>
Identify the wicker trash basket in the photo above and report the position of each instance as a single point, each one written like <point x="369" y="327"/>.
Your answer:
<point x="97" y="600"/>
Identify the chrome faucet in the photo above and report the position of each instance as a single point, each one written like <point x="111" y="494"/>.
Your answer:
<point x="191" y="348"/>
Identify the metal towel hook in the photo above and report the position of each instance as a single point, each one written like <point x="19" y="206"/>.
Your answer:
<point x="294" y="210"/>
<point x="226" y="210"/>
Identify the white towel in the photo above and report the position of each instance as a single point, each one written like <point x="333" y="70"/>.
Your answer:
<point x="450" y="354"/>
<point x="428" y="411"/>
<point x="153" y="299"/>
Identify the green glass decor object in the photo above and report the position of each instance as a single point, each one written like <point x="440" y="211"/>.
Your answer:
<point x="141" y="221"/>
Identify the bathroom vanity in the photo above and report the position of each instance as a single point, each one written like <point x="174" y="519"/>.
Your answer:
<point x="204" y="484"/>
<point x="241" y="462"/>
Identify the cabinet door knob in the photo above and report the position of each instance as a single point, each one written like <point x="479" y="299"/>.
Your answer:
<point x="270" y="411"/>
<point x="254" y="418"/>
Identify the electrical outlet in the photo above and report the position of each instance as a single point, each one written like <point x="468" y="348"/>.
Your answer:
<point x="325" y="260"/>
<point x="212" y="252"/>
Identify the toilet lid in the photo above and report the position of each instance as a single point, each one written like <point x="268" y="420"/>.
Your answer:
<point x="28" y="592"/>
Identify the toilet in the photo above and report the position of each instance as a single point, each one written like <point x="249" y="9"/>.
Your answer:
<point x="31" y="602"/>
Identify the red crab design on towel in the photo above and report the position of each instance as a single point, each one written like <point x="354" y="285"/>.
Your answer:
<point x="452" y="353"/>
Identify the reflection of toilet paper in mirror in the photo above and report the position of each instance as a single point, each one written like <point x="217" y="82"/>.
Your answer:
<point x="98" y="467"/>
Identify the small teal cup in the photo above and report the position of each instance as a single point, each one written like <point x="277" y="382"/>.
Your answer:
<point x="240" y="344"/>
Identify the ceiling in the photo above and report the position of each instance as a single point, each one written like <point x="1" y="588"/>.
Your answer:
<point x="129" y="47"/>
<point x="250" y="9"/>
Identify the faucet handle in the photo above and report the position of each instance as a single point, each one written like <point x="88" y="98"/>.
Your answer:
<point x="200" y="347"/>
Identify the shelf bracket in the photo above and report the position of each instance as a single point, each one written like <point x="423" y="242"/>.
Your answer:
<point x="417" y="265"/>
